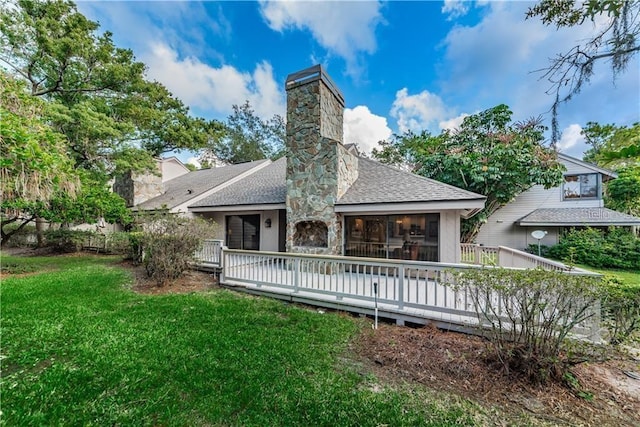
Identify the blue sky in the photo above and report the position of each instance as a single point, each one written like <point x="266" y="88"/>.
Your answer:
<point x="400" y="65"/>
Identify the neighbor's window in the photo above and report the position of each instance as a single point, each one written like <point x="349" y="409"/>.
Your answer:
<point x="581" y="186"/>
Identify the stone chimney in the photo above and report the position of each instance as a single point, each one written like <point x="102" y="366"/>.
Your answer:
<point x="138" y="188"/>
<point x="319" y="168"/>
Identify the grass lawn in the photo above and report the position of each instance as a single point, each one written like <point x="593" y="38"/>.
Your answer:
<point x="80" y="348"/>
<point x="627" y="276"/>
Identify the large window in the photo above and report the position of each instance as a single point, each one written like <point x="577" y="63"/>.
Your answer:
<point x="412" y="237"/>
<point x="243" y="232"/>
<point x="581" y="187"/>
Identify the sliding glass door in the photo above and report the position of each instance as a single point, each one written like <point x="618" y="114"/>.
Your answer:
<point x="412" y="237"/>
<point x="243" y="232"/>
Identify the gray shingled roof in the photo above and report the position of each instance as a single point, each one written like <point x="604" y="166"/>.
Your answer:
<point x="578" y="217"/>
<point x="265" y="186"/>
<point x="380" y="183"/>
<point x="185" y="187"/>
<point x="376" y="183"/>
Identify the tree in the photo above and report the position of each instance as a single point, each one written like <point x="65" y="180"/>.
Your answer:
<point x="33" y="161"/>
<point x="616" y="41"/>
<point x="613" y="146"/>
<point x="623" y="193"/>
<point x="112" y="119"/>
<point x="618" y="148"/>
<point x="247" y="137"/>
<point x="488" y="155"/>
<point x="596" y="136"/>
<point x="106" y="106"/>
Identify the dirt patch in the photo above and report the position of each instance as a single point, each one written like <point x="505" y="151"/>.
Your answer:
<point x="190" y="281"/>
<point x="455" y="363"/>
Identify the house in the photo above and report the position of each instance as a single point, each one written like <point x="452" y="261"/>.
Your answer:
<point x="323" y="198"/>
<point x="577" y="202"/>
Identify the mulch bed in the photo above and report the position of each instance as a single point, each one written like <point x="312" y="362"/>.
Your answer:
<point x="456" y="363"/>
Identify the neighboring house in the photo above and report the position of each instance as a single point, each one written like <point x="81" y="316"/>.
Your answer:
<point x="577" y="202"/>
<point x="322" y="198"/>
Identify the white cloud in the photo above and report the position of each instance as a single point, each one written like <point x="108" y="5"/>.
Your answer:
<point x="494" y="61"/>
<point x="453" y="123"/>
<point x="364" y="128"/>
<point x="571" y="137"/>
<point x="455" y="8"/>
<point x="422" y="111"/>
<point x="344" y="28"/>
<point x="215" y="89"/>
<point x="185" y="26"/>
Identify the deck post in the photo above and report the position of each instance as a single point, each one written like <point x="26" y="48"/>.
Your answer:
<point x="223" y="264"/>
<point x="401" y="286"/>
<point x="296" y="275"/>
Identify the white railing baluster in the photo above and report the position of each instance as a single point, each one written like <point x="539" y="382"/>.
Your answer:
<point x="411" y="286"/>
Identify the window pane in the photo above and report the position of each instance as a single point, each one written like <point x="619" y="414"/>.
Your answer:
<point x="589" y="185"/>
<point x="366" y="236"/>
<point x="411" y="237"/>
<point x="571" y="187"/>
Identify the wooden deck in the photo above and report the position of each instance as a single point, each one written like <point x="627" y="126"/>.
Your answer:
<point x="401" y="290"/>
<point x="407" y="291"/>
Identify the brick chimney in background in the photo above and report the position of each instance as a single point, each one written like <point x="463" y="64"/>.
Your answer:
<point x="139" y="187"/>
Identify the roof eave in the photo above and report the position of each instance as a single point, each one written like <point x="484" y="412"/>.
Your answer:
<point x="577" y="224"/>
<point x="247" y="207"/>
<point x="390" y="207"/>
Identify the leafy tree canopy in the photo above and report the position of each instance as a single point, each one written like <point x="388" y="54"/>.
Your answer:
<point x="106" y="118"/>
<point x="33" y="161"/>
<point x="488" y="154"/>
<point x="623" y="193"/>
<point x="618" y="148"/>
<point x="105" y="105"/>
<point x="615" y="40"/>
<point x="247" y="138"/>
<point x="613" y="146"/>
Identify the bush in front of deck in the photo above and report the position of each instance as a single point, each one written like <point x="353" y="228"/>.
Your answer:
<point x="168" y="244"/>
<point x="527" y="315"/>
<point x="621" y="310"/>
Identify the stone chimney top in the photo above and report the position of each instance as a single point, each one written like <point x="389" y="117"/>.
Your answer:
<point x="311" y="75"/>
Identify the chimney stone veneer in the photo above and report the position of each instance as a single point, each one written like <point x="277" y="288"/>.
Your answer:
<point x="319" y="168"/>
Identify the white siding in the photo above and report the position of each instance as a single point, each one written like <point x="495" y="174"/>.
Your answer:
<point x="450" y="236"/>
<point x="172" y="168"/>
<point x="501" y="228"/>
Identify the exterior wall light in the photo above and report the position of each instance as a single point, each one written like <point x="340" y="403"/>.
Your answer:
<point x="267" y="223"/>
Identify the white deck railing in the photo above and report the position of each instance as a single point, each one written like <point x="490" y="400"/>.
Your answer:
<point x="422" y="289"/>
<point x="210" y="255"/>
<point x="503" y="256"/>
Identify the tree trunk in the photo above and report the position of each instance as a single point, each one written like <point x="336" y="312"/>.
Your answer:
<point x="40" y="223"/>
<point x="6" y="236"/>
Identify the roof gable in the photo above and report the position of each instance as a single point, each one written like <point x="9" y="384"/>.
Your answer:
<point x="193" y="184"/>
<point x="572" y="160"/>
<point x="380" y="183"/>
<point x="265" y="186"/>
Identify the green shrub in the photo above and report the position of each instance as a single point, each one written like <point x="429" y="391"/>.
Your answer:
<point x="24" y="238"/>
<point x="527" y="315"/>
<point x="616" y="248"/>
<point x="126" y="244"/>
<point x="169" y="242"/>
<point x="621" y="309"/>
<point x="66" y="241"/>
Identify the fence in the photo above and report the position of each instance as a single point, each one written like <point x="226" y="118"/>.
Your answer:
<point x="210" y="255"/>
<point x="402" y="289"/>
<point x="507" y="257"/>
